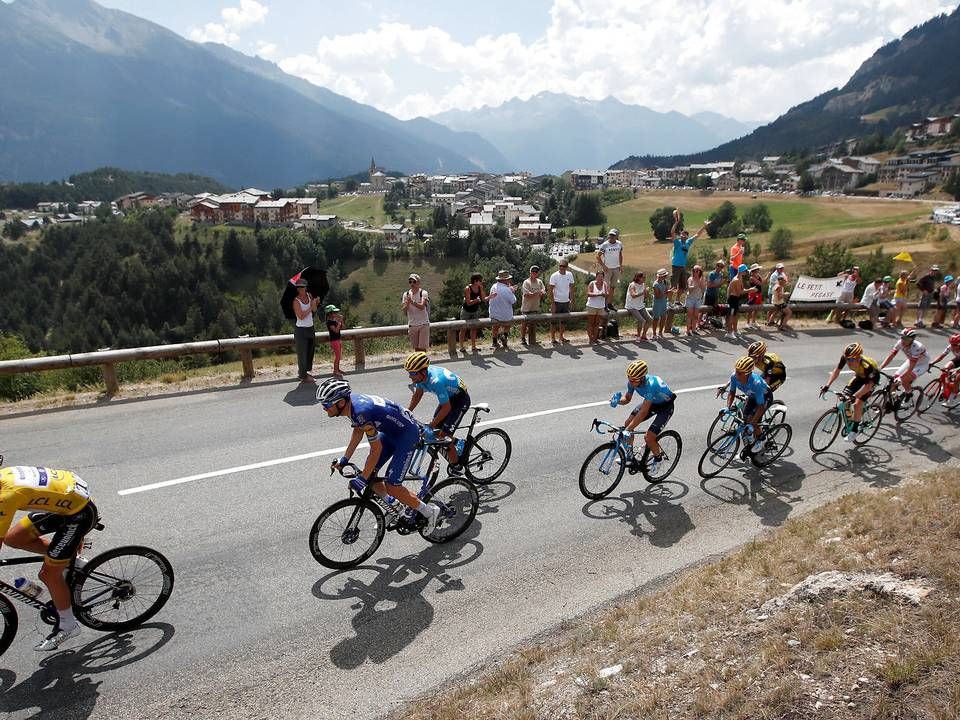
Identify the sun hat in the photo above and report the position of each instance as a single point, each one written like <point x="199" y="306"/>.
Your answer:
<point x="331" y="308"/>
<point x="504" y="275"/>
<point x="661" y="272"/>
<point x="756" y="266"/>
<point x="779" y="266"/>
<point x="887" y="278"/>
<point x="614" y="232"/>
<point x="934" y="267"/>
<point x="414" y="276"/>
<point x="743" y="268"/>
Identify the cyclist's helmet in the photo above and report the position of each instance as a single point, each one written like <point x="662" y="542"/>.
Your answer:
<point x="908" y="334"/>
<point x="636" y="370"/>
<point x="757" y="348"/>
<point x="416" y="362"/>
<point x="744" y="364"/>
<point x="955" y="339"/>
<point x="332" y="390"/>
<point x="853" y="350"/>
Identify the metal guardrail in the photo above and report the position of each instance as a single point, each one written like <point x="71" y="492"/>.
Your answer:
<point x="108" y="359"/>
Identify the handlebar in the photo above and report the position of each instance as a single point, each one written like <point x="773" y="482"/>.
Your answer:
<point x="597" y="425"/>
<point x="349" y="471"/>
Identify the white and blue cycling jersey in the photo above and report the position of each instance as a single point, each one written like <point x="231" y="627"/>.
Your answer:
<point x="651" y="388"/>
<point x="755" y="387"/>
<point x="394" y="424"/>
<point x="442" y="383"/>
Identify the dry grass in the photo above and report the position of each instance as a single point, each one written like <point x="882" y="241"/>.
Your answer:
<point x="699" y="648"/>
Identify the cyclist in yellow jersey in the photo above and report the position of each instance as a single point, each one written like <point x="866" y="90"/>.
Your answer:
<point x="866" y="374"/>
<point x="768" y="364"/>
<point x="57" y="502"/>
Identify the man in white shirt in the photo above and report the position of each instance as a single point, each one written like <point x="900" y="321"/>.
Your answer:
<point x="772" y="281"/>
<point x="610" y="257"/>
<point x="871" y="300"/>
<point x="561" y="290"/>
<point x="533" y="292"/>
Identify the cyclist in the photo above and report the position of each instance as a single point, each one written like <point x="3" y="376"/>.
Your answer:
<point x="392" y="433"/>
<point x="57" y="502"/>
<point x="953" y="348"/>
<point x="917" y="362"/>
<point x="768" y="364"/>
<point x="657" y="401"/>
<point x="452" y="398"/>
<point x="747" y="380"/>
<point x="866" y="375"/>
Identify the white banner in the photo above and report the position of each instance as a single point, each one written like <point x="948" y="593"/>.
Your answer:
<point x="810" y="289"/>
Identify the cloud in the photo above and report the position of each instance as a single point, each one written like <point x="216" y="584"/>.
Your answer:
<point x="742" y="58"/>
<point x="266" y="50"/>
<point x="234" y="19"/>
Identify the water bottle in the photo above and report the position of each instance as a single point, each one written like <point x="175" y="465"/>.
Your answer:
<point x="28" y="587"/>
<point x="615" y="399"/>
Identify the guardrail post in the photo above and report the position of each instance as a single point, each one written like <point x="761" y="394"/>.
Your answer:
<point x="359" y="359"/>
<point x="246" y="359"/>
<point x="110" y="378"/>
<point x="531" y="332"/>
<point x="452" y="340"/>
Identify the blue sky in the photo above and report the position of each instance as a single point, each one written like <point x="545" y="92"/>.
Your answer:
<point x="741" y="58"/>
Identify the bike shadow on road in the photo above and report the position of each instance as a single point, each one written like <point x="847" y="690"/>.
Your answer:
<point x="652" y="512"/>
<point x="62" y="687"/>
<point x="918" y="439"/>
<point x="492" y="494"/>
<point x="769" y="492"/>
<point x="390" y="603"/>
<point x="867" y="462"/>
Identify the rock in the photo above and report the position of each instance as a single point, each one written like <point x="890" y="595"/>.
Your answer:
<point x="714" y="686"/>
<point x="833" y="582"/>
<point x="761" y="618"/>
<point x="793" y="643"/>
<point x="610" y="671"/>
<point x="691" y="653"/>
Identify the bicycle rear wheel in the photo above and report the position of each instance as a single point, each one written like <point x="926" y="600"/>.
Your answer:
<point x="8" y="624"/>
<point x="602" y="471"/>
<point x="487" y="455"/>
<point x="776" y="414"/>
<point x="775" y="442"/>
<point x="825" y="430"/>
<point x="347" y="533"/>
<point x="458" y="501"/>
<point x="721" y="425"/>
<point x="121" y="588"/>
<point x="904" y="405"/>
<point x="931" y="393"/>
<point x="718" y="455"/>
<point x="670" y="445"/>
<point x="870" y="422"/>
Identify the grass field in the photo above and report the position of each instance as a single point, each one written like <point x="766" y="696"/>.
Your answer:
<point x="368" y="208"/>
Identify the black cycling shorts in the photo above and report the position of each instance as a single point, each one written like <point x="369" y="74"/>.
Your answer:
<point x="661" y="413"/>
<point x="459" y="404"/>
<point x="751" y="407"/>
<point x="68" y="531"/>
<point x="857" y="383"/>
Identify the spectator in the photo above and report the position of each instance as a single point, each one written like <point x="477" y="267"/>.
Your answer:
<point x="926" y="285"/>
<point x="782" y="312"/>
<point x="636" y="305"/>
<point x="772" y="285"/>
<point x="597" y="295"/>
<point x="848" y="286"/>
<point x="561" y="290"/>
<point x="696" y="287"/>
<point x="681" y="248"/>
<point x="900" y="297"/>
<point x="502" y="297"/>
<point x="415" y="302"/>
<point x="304" y="336"/>
<point x="736" y="255"/>
<point x="754" y="288"/>
<point x="714" y="283"/>
<point x="886" y="300"/>
<point x="660" y="295"/>
<point x="871" y="300"/>
<point x="610" y="257"/>
<point x="533" y="292"/>
<point x="943" y="298"/>
<point x="334" y="326"/>
<point x="473" y="295"/>
<point x="735" y="294"/>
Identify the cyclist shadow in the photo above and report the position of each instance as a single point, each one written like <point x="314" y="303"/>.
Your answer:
<point x="391" y="607"/>
<point x="866" y="462"/>
<point x="768" y="492"/>
<point x="492" y="494"/>
<point x="61" y="686"/>
<point x="655" y="505"/>
<point x="919" y="439"/>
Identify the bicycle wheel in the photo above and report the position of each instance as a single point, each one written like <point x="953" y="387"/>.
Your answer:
<point x="870" y="422"/>
<point x="718" y="455"/>
<point x="825" y="430"/>
<point x="904" y="405"/>
<point x="458" y="502"/>
<point x="931" y="393"/>
<point x="121" y="588"/>
<point x="721" y="425"/>
<point x="670" y="445"/>
<point x="776" y="414"/>
<point x="602" y="471"/>
<point x="347" y="533"/>
<point x="487" y="455"/>
<point x="8" y="624"/>
<point x="776" y="440"/>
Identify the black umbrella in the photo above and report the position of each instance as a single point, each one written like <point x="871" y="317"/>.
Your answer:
<point x="317" y="286"/>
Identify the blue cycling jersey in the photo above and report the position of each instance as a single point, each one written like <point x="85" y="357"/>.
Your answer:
<point x="651" y="388"/>
<point x="442" y="383"/>
<point x="755" y="387"/>
<point x="392" y="422"/>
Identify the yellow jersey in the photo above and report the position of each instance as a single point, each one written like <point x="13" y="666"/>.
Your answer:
<point x="38" y="489"/>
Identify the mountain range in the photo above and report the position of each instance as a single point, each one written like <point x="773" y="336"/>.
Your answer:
<point x="902" y="82"/>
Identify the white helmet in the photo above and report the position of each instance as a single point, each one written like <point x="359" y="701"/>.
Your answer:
<point x="332" y="390"/>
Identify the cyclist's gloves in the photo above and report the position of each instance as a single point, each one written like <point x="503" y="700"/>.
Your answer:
<point x="823" y="390"/>
<point x="343" y="461"/>
<point x="615" y="399"/>
<point x="429" y="434"/>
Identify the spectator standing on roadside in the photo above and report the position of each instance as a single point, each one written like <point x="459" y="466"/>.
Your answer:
<point x="886" y="300"/>
<point x="415" y="302"/>
<point x="772" y="281"/>
<point x="636" y="304"/>
<point x="943" y="299"/>
<point x="848" y="286"/>
<point x="304" y="336"/>
<point x="871" y="300"/>
<point x="610" y="257"/>
<point x="334" y="326"/>
<point x="926" y="285"/>
<point x="660" y="295"/>
<point x="561" y="290"/>
<point x="681" y="249"/>
<point x="782" y="313"/>
<point x="473" y="295"/>
<point x="597" y="296"/>
<point x="901" y="289"/>
<point x="714" y="282"/>
<point x="735" y="293"/>
<point x="754" y="288"/>
<point x="533" y="292"/>
<point x="502" y="297"/>
<point x="956" y="307"/>
<point x="736" y="255"/>
<point x="696" y="287"/>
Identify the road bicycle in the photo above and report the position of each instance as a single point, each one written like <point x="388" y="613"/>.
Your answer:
<point x="117" y="590"/>
<point x="774" y="441"/>
<point x="484" y="456"/>
<point x="350" y="530"/>
<point x="775" y="414"/>
<point x="839" y="421"/>
<point x="941" y="388"/>
<point x="603" y="469"/>
<point x="902" y="403"/>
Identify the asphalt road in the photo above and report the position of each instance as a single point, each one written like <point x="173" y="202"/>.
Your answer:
<point x="256" y="629"/>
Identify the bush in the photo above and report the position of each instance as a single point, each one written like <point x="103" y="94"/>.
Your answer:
<point x="757" y="218"/>
<point x="828" y="260"/>
<point x="724" y="220"/>
<point x="781" y="243"/>
<point x="17" y="387"/>
<point x="661" y="221"/>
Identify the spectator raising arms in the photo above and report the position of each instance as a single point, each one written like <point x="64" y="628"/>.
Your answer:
<point x="473" y="295"/>
<point x="681" y="248"/>
<point x="415" y="302"/>
<point x="781" y="313"/>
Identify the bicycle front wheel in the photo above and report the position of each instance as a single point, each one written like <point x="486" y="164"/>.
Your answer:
<point x="347" y="533"/>
<point x="931" y="393"/>
<point x="775" y="442"/>
<point x="8" y="624"/>
<point x="870" y="423"/>
<point x="721" y="425"/>
<point x="904" y="405"/>
<point x="121" y="588"/>
<point x="670" y="445"/>
<point x="458" y="501"/>
<point x="602" y="471"/>
<point x="487" y="456"/>
<point x="776" y="414"/>
<point x="825" y="431"/>
<point x="718" y="455"/>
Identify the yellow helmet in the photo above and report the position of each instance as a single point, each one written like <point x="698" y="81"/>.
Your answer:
<point x="636" y="370"/>
<point x="744" y="364"/>
<point x="416" y="362"/>
<point x="757" y="348"/>
<point x="853" y="350"/>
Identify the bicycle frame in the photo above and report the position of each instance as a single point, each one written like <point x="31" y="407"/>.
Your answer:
<point x="620" y="435"/>
<point x="11" y="591"/>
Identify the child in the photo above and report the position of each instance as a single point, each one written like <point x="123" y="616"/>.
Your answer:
<point x="780" y="302"/>
<point x="334" y="326"/>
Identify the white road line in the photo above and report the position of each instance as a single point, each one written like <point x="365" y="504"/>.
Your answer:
<point x="335" y="451"/>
